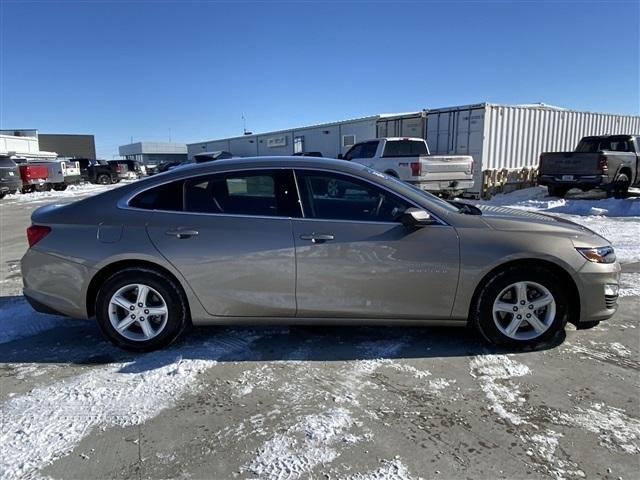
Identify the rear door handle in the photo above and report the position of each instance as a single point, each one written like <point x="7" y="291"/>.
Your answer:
<point x="317" y="237"/>
<point x="182" y="233"/>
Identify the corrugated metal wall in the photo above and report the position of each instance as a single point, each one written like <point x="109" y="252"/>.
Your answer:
<point x="517" y="135"/>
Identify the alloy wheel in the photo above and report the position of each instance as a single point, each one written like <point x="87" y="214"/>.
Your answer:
<point x="138" y="312"/>
<point x="524" y="310"/>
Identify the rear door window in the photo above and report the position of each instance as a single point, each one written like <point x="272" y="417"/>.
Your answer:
<point x="255" y="193"/>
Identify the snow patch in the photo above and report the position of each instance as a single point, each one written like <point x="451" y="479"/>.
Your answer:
<point x="303" y="446"/>
<point x="590" y="203"/>
<point x="49" y="422"/>
<point x="629" y="285"/>
<point x="260" y="377"/>
<point x="19" y="320"/>
<point x="494" y="373"/>
<point x="390" y="470"/>
<point x="617" y="431"/>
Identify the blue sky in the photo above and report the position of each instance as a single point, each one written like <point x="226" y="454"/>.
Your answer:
<point x="144" y="69"/>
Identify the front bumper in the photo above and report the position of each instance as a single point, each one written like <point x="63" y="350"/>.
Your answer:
<point x="443" y="185"/>
<point x="593" y="281"/>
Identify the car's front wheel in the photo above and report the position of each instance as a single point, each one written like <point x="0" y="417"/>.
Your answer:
<point x="520" y="307"/>
<point x="140" y="309"/>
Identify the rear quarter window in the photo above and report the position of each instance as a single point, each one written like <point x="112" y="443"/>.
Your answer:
<point x="164" y="197"/>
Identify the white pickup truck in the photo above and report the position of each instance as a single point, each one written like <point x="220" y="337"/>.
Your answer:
<point x="409" y="160"/>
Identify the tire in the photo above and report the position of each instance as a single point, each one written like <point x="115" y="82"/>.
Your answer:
<point x="103" y="179"/>
<point x="620" y="186"/>
<point x="28" y="189"/>
<point x="164" y="295"/>
<point x="487" y="316"/>
<point x="2" y="195"/>
<point x="59" y="187"/>
<point x="557" y="190"/>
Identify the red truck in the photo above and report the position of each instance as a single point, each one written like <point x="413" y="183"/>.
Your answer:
<point x="33" y="177"/>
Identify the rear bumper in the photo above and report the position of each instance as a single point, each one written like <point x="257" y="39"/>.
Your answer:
<point x="72" y="179"/>
<point x="578" y="181"/>
<point x="63" y="293"/>
<point x="442" y="185"/>
<point x="593" y="281"/>
<point x="10" y="185"/>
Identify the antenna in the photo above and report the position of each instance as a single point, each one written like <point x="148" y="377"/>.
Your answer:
<point x="244" y="126"/>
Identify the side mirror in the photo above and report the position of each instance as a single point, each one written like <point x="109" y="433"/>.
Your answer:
<point x="340" y="156"/>
<point x="416" y="217"/>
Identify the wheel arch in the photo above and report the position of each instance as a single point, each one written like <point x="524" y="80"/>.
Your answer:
<point x="392" y="173"/>
<point x="574" y="293"/>
<point x="108" y="270"/>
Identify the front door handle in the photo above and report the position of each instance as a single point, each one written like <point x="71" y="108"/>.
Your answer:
<point x="317" y="237"/>
<point x="182" y="233"/>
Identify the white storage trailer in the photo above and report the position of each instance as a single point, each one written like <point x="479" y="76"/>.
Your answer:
<point x="503" y="139"/>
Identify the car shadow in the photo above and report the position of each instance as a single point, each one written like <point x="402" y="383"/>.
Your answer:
<point x="80" y="342"/>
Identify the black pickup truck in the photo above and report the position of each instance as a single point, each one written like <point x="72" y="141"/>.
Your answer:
<point x="610" y="162"/>
<point x="98" y="171"/>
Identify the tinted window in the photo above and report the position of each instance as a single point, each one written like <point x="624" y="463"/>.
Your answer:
<point x="164" y="197"/>
<point x="404" y="148"/>
<point x="354" y="152"/>
<point x="338" y="197"/>
<point x="604" y="144"/>
<point x="262" y="193"/>
<point x="7" y="163"/>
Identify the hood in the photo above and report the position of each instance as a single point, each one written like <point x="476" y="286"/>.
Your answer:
<point x="511" y="219"/>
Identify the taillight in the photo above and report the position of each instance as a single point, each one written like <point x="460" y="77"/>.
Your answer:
<point x="416" y="169"/>
<point x="470" y="167"/>
<point x="35" y="233"/>
<point x="602" y="163"/>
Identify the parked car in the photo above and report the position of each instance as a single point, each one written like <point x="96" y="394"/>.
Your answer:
<point x="10" y="181"/>
<point x="98" y="171"/>
<point x="251" y="241"/>
<point x="610" y="162"/>
<point x="136" y="168"/>
<point x="212" y="156"/>
<point x="34" y="176"/>
<point x="122" y="170"/>
<point x="409" y="160"/>
<point x="61" y="173"/>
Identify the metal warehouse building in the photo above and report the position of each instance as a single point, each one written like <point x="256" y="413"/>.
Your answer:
<point x="154" y="153"/>
<point x="504" y="140"/>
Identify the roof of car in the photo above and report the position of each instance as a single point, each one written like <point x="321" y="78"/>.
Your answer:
<point x="283" y="161"/>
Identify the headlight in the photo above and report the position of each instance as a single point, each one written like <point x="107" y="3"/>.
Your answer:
<point x="598" y="254"/>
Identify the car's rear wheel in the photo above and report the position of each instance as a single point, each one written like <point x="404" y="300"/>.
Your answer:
<point x="520" y="307"/>
<point x="139" y="309"/>
<point x="103" y="179"/>
<point x="620" y="186"/>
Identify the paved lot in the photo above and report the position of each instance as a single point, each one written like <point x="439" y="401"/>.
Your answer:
<point x="286" y="403"/>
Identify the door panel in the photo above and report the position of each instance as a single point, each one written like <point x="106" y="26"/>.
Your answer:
<point x="237" y="266"/>
<point x="375" y="270"/>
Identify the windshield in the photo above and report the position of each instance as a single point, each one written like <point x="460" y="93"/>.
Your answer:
<point x="407" y="187"/>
